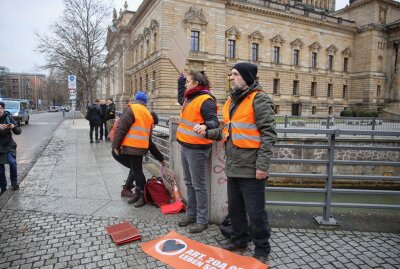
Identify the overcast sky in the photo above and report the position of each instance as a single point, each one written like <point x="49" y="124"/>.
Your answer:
<point x="20" y="19"/>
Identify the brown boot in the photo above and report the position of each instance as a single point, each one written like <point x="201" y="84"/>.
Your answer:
<point x="126" y="192"/>
<point x="140" y="202"/>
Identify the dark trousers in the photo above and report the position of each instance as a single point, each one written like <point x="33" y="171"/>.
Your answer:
<point x="134" y="163"/>
<point x="94" y="125"/>
<point x="12" y="162"/>
<point x="246" y="196"/>
<point x="103" y="130"/>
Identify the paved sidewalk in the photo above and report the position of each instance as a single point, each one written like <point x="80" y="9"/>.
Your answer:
<point x="58" y="219"/>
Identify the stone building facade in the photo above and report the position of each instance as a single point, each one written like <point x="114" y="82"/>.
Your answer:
<point x="312" y="60"/>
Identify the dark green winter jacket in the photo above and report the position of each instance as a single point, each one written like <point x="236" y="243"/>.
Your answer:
<point x="242" y="162"/>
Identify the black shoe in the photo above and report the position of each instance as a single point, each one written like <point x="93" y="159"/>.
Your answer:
<point x="91" y="141"/>
<point x="261" y="258"/>
<point x="198" y="228"/>
<point x="140" y="202"/>
<point x="15" y="187"/>
<point x="186" y="221"/>
<point x="97" y="141"/>
<point x="134" y="198"/>
<point x="231" y="247"/>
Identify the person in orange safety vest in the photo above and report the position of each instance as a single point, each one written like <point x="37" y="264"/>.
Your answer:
<point x="198" y="114"/>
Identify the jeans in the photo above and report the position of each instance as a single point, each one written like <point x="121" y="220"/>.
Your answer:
<point x="194" y="164"/>
<point x="12" y="161"/>
<point x="246" y="196"/>
<point x="134" y="163"/>
<point x="103" y="130"/>
<point x="94" y="125"/>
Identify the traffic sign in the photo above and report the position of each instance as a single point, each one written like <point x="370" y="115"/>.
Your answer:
<point x="72" y="91"/>
<point x="71" y="82"/>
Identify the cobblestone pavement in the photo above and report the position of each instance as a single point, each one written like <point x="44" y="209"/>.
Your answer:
<point x="72" y="193"/>
<point x="32" y="239"/>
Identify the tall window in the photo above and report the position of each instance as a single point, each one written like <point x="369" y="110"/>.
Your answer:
<point x="314" y="88"/>
<point x="276" y="55"/>
<point x="330" y="62"/>
<point x="314" y="110"/>
<point x="147" y="48"/>
<point x="330" y="90"/>
<point x="231" y="48"/>
<point x="378" y="90"/>
<point x="155" y="42"/>
<point x="296" y="57"/>
<point x="344" y="92"/>
<point x="330" y="110"/>
<point x="276" y="86"/>
<point x="277" y="108"/>
<point x="314" y="60"/>
<point x="254" y="51"/>
<point x="345" y="64"/>
<point x="195" y="41"/>
<point x="295" y="87"/>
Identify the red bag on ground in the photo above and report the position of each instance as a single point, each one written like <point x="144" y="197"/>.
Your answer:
<point x="155" y="192"/>
<point x="114" y="128"/>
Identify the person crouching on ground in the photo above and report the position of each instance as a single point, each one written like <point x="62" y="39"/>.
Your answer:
<point x="198" y="114"/>
<point x="8" y="149"/>
<point x="131" y="142"/>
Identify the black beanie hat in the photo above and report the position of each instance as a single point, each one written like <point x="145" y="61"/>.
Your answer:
<point x="248" y="72"/>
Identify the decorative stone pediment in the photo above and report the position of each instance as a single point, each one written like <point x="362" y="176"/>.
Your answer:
<point x="332" y="49"/>
<point x="154" y="25"/>
<point x="233" y="32"/>
<point x="277" y="40"/>
<point x="297" y="43"/>
<point x="195" y="16"/>
<point x="346" y="52"/>
<point x="256" y="36"/>
<point x="315" y="46"/>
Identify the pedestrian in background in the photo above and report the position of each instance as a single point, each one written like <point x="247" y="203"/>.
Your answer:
<point x="110" y="115"/>
<point x="131" y="142"/>
<point x="249" y="135"/>
<point x="198" y="114"/>
<point x="103" y="125"/>
<point x="94" y="116"/>
<point x="8" y="149"/>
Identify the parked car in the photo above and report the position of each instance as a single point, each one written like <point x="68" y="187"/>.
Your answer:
<point x="64" y="108"/>
<point x="52" y="109"/>
<point x="19" y="109"/>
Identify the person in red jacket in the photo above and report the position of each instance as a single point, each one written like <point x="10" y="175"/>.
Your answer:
<point x="131" y="142"/>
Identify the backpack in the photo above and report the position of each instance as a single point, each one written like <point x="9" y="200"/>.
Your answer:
<point x="89" y="112"/>
<point x="155" y="192"/>
<point x="111" y="135"/>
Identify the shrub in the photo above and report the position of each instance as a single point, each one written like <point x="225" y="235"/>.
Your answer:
<point x="346" y="113"/>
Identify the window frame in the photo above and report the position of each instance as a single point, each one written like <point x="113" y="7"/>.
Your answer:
<point x="194" y="40"/>
<point x="314" y="60"/>
<point x="296" y="86"/>
<point x="254" y="52"/>
<point x="276" y="55"/>
<point x="296" y="57"/>
<point x="231" y="53"/>
<point x="275" y="86"/>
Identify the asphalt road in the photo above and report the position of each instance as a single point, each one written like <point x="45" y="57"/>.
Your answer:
<point x="33" y="139"/>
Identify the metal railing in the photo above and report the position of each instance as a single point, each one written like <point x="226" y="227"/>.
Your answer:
<point x="329" y="176"/>
<point x="161" y="138"/>
<point x="348" y="123"/>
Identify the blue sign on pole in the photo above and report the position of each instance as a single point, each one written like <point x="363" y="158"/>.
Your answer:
<point x="71" y="82"/>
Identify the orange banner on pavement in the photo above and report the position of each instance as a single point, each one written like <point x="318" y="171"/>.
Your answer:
<point x="183" y="253"/>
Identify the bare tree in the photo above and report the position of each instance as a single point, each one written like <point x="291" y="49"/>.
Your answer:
<point x="76" y="44"/>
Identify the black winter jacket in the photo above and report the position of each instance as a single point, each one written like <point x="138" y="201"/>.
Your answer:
<point x="7" y="143"/>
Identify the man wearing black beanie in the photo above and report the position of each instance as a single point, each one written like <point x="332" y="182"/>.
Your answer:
<point x="249" y="135"/>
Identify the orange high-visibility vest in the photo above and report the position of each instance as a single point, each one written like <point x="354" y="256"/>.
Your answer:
<point x="190" y="116"/>
<point x="245" y="133"/>
<point x="138" y="135"/>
